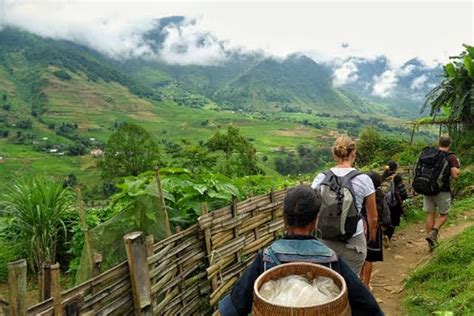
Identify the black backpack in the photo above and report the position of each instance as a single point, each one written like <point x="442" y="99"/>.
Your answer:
<point x="339" y="215"/>
<point x="431" y="171"/>
<point x="390" y="192"/>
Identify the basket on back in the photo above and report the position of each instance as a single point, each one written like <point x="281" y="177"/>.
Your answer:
<point x="339" y="306"/>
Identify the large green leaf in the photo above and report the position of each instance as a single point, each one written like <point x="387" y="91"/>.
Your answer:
<point x="469" y="66"/>
<point x="450" y="70"/>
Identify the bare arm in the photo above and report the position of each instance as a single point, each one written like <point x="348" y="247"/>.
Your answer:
<point x="371" y="207"/>
<point x="455" y="172"/>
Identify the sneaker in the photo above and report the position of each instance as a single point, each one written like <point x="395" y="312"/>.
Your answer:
<point x="386" y="242"/>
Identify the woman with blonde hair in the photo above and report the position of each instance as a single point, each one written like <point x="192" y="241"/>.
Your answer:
<point x="352" y="248"/>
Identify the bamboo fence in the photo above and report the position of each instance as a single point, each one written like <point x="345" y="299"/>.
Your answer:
<point x="184" y="274"/>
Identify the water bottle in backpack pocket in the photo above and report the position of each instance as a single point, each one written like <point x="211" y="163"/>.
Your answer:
<point x="339" y="216"/>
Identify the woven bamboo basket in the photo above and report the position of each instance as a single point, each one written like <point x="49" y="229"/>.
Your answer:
<point x="339" y="306"/>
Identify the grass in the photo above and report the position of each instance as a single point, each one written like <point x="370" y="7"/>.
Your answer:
<point x="446" y="283"/>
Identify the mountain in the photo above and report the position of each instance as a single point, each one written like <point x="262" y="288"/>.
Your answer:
<point x="402" y="88"/>
<point x="296" y="81"/>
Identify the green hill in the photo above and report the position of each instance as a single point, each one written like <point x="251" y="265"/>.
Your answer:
<point x="59" y="100"/>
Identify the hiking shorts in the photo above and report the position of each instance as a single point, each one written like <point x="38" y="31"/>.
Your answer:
<point x="354" y="251"/>
<point x="440" y="202"/>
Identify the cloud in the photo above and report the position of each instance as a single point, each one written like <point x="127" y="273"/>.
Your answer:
<point x="345" y="74"/>
<point x="116" y="34"/>
<point x="405" y="70"/>
<point x="187" y="44"/>
<point x="385" y="83"/>
<point x="419" y="82"/>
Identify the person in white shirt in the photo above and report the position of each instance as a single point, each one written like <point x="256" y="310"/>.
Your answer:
<point x="354" y="250"/>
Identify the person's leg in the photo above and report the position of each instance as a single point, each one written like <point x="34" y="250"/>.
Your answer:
<point x="430" y="220"/>
<point x="366" y="273"/>
<point x="389" y="230"/>
<point x="443" y="201"/>
<point x="429" y="206"/>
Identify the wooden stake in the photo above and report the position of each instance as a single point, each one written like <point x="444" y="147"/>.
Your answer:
<point x="272" y="200"/>
<point x="162" y="203"/>
<point x="45" y="283"/>
<point x="235" y="229"/>
<point x="17" y="287"/>
<point x="94" y="259"/>
<point x="139" y="273"/>
<point x="412" y="134"/>
<point x="56" y="289"/>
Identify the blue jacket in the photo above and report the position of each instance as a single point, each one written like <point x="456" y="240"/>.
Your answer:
<point x="297" y="249"/>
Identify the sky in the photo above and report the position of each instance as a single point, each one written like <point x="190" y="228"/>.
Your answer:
<point x="400" y="30"/>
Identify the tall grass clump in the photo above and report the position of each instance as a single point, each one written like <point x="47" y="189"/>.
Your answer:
<point x="36" y="209"/>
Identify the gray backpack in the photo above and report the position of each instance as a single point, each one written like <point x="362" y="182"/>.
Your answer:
<point x="339" y="216"/>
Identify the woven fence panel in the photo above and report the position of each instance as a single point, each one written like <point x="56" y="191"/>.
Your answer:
<point x="234" y="234"/>
<point x="179" y="284"/>
<point x="107" y="294"/>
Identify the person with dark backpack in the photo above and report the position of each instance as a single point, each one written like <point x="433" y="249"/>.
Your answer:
<point x="395" y="193"/>
<point x="433" y="172"/>
<point x="343" y="190"/>
<point x="375" y="248"/>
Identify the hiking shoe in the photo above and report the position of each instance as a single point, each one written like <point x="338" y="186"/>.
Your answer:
<point x="432" y="239"/>
<point x="386" y="242"/>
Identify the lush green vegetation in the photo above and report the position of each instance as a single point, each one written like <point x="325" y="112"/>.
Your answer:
<point x="217" y="133"/>
<point x="35" y="210"/>
<point x="129" y="152"/>
<point x="445" y="283"/>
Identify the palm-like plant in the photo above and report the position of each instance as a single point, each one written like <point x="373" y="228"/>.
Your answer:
<point x="455" y="94"/>
<point x="37" y="208"/>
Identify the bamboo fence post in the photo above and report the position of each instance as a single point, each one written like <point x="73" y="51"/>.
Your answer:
<point x="235" y="229"/>
<point x="207" y="239"/>
<point x="412" y="134"/>
<point x="45" y="281"/>
<point x="93" y="258"/>
<point x="272" y="200"/>
<point x="40" y="286"/>
<point x="162" y="203"/>
<point x="139" y="273"/>
<point x="17" y="287"/>
<point x="56" y="289"/>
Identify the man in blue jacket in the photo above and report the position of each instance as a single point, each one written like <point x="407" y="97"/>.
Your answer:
<point x="300" y="212"/>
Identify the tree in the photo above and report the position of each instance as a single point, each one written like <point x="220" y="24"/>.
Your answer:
<point x="368" y="145"/>
<point x="37" y="208"/>
<point x="129" y="152"/>
<point x="240" y="154"/>
<point x="455" y="93"/>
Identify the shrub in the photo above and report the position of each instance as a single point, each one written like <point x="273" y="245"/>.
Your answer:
<point x="36" y="208"/>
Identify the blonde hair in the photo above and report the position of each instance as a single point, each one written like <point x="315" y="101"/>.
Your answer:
<point x="343" y="147"/>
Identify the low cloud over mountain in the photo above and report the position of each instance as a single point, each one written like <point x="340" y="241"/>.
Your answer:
<point x="381" y="79"/>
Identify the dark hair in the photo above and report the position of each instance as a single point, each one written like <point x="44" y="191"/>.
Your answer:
<point x="390" y="169"/>
<point x="301" y="206"/>
<point x="444" y="141"/>
<point x="376" y="178"/>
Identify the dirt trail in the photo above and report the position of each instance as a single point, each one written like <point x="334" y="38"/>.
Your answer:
<point x="408" y="250"/>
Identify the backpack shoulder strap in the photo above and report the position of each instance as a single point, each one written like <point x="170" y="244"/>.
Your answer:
<point x="351" y="175"/>
<point x="327" y="176"/>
